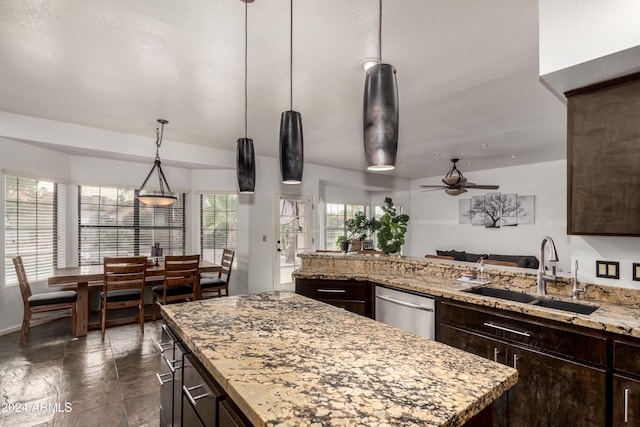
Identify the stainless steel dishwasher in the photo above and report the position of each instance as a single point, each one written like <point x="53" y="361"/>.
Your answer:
<point x="404" y="310"/>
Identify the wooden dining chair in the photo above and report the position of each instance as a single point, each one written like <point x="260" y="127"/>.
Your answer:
<point x="52" y="302"/>
<point x="123" y="286"/>
<point x="503" y="263"/>
<point x="181" y="277"/>
<point x="439" y="257"/>
<point x="210" y="285"/>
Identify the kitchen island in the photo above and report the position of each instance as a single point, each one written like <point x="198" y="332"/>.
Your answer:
<point x="288" y="360"/>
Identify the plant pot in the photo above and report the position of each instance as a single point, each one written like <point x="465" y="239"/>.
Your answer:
<point x="345" y="246"/>
<point x="356" y="245"/>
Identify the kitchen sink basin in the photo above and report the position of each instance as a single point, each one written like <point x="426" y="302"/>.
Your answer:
<point x="566" y="306"/>
<point x="503" y="294"/>
<point x="572" y="307"/>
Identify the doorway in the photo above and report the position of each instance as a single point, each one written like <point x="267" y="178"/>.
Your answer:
<point x="294" y="235"/>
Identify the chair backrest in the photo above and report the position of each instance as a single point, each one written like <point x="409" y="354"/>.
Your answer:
<point x="503" y="263"/>
<point x="25" y="289"/>
<point x="227" y="263"/>
<point x="122" y="273"/>
<point x="181" y="270"/>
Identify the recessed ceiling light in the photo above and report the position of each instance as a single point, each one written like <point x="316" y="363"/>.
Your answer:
<point x="484" y="145"/>
<point x="369" y="62"/>
<point x="514" y="156"/>
<point x="437" y="154"/>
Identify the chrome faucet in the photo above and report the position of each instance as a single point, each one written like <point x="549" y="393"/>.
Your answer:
<point x="543" y="278"/>
<point x="576" y="290"/>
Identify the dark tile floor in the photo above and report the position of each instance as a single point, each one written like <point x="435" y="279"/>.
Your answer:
<point x="58" y="380"/>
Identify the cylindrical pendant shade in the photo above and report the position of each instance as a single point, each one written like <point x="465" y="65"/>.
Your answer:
<point x="380" y="117"/>
<point x="291" y="147"/>
<point x="246" y="165"/>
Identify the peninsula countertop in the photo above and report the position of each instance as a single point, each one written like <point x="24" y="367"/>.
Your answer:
<point x="288" y="360"/>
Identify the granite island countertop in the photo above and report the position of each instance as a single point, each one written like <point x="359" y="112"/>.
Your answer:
<point x="287" y="360"/>
<point x="618" y="309"/>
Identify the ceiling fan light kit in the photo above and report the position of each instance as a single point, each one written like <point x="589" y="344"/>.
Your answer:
<point x="381" y="112"/>
<point x="164" y="196"/>
<point x="291" y="138"/>
<point x="245" y="155"/>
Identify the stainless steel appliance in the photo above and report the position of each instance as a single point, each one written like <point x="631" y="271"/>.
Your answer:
<point x="404" y="310"/>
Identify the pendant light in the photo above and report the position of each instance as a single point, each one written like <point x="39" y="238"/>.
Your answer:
<point x="245" y="155"/>
<point x="291" y="141"/>
<point x="380" y="118"/>
<point x="163" y="197"/>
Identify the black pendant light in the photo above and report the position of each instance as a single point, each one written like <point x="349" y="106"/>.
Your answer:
<point x="291" y="141"/>
<point x="162" y="196"/>
<point x="245" y="156"/>
<point x="380" y="118"/>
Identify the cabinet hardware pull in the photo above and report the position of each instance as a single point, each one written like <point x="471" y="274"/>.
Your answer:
<point x="160" y="376"/>
<point x="162" y="346"/>
<point x="626" y="405"/>
<point x="502" y="328"/>
<point x="171" y="364"/>
<point x="333" y="291"/>
<point x="406" y="304"/>
<point x="495" y="354"/>
<point x="192" y="399"/>
<point x="515" y="361"/>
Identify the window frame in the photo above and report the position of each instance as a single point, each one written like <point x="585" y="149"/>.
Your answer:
<point x="348" y="210"/>
<point x="201" y="227"/>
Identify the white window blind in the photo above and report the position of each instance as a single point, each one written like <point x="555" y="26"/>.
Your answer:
<point x="218" y="225"/>
<point x="32" y="229"/>
<point x="335" y="216"/>
<point x="112" y="222"/>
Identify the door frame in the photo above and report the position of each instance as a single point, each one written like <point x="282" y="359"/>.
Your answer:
<point x="275" y="281"/>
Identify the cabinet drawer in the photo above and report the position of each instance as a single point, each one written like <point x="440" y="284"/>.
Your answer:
<point x="230" y="416"/>
<point x="358" y="307"/>
<point x="330" y="290"/>
<point x="200" y="393"/>
<point x="533" y="332"/>
<point x="626" y="357"/>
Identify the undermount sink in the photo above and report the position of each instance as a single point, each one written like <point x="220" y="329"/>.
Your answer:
<point x="502" y="294"/>
<point x="572" y="307"/>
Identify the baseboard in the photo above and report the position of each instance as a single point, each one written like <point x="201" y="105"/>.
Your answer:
<point x="16" y="328"/>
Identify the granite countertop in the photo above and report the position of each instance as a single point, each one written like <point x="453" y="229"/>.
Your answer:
<point x="615" y="317"/>
<point x="287" y="360"/>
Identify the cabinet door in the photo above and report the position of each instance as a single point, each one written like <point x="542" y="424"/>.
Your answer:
<point x="481" y="346"/>
<point x="555" y="392"/>
<point x="626" y="401"/>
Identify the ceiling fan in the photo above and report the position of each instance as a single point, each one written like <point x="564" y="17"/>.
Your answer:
<point x="456" y="183"/>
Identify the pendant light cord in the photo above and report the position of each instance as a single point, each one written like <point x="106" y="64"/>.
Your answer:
<point x="159" y="134"/>
<point x="380" y="33"/>
<point x="245" y="67"/>
<point x="291" y="55"/>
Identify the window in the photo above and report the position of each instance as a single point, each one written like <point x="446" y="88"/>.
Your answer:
<point x="112" y="222"/>
<point x="336" y="215"/>
<point x="218" y="225"/>
<point x="31" y="226"/>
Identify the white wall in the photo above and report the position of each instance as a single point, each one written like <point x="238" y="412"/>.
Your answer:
<point x="434" y="220"/>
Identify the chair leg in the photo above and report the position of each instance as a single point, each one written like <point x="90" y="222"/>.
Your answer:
<point x="24" y="331"/>
<point x="104" y="318"/>
<point x="153" y="307"/>
<point x="141" y="316"/>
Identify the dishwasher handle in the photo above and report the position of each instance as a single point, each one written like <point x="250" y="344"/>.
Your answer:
<point x="404" y="303"/>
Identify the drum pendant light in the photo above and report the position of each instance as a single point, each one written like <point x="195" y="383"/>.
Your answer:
<point x="164" y="196"/>
<point x="245" y="155"/>
<point x="380" y="118"/>
<point x="291" y="140"/>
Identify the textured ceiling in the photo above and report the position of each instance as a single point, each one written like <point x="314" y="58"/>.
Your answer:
<point x="467" y="74"/>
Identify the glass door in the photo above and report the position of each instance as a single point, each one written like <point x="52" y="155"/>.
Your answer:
<point x="294" y="236"/>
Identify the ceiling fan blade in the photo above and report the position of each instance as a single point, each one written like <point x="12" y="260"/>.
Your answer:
<point x="432" y="189"/>
<point x="434" y="186"/>
<point x="481" y="187"/>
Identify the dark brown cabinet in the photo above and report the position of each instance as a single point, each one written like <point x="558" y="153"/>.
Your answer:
<point x="562" y="379"/>
<point x="626" y="383"/>
<point x="603" y="171"/>
<point x="351" y="295"/>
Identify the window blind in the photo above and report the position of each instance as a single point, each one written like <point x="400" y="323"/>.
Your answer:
<point x="218" y="225"/>
<point x="335" y="217"/>
<point x="32" y="229"/>
<point x="112" y="222"/>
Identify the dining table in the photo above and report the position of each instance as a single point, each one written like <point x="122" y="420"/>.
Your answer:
<point x="84" y="277"/>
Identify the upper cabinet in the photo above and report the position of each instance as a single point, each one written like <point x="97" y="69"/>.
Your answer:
<point x="603" y="159"/>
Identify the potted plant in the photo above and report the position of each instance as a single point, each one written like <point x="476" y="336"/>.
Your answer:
<point x="393" y="226"/>
<point x="342" y="243"/>
<point x="359" y="228"/>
